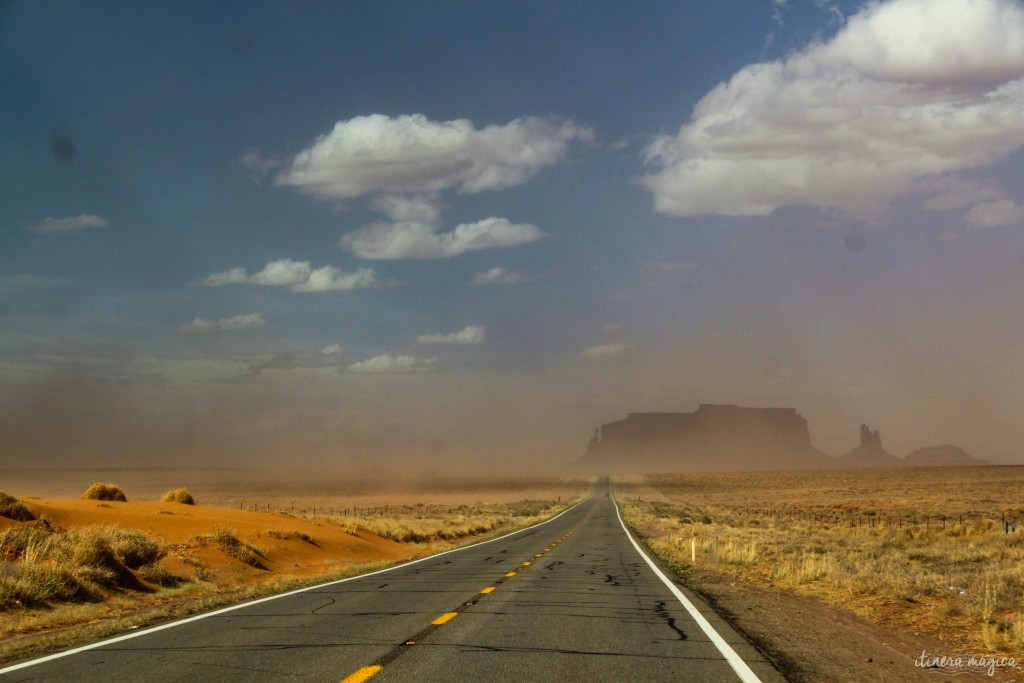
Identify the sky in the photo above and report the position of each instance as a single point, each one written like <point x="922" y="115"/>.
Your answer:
<point x="454" y="237"/>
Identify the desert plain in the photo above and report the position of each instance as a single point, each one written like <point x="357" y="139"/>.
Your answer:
<point x="822" y="570"/>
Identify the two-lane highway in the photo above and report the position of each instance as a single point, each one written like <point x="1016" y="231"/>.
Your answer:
<point x="570" y="599"/>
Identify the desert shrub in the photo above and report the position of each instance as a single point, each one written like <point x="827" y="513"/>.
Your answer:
<point x="100" y="491"/>
<point x="179" y="496"/>
<point x="230" y="544"/>
<point x="12" y="508"/>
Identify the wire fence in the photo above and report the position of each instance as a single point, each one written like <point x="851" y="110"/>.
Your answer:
<point x="1007" y="522"/>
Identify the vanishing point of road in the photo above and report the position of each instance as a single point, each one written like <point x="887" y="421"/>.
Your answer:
<point x="572" y="599"/>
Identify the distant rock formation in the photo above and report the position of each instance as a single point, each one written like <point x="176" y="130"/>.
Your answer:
<point x="942" y="456"/>
<point x="869" y="453"/>
<point x="714" y="437"/>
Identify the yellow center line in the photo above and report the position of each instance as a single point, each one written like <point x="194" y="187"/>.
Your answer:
<point x="487" y="590"/>
<point x="527" y="564"/>
<point x="510" y="574"/>
<point x="538" y="555"/>
<point x="362" y="674"/>
<point x="444" y="619"/>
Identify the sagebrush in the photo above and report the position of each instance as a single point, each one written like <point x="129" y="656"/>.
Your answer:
<point x="100" y="491"/>
<point x="179" y="496"/>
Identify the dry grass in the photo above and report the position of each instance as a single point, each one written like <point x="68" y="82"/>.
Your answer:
<point x="287" y="535"/>
<point x="923" y="550"/>
<point x="42" y="566"/>
<point x="230" y="544"/>
<point x="432" y="523"/>
<point x="100" y="491"/>
<point x="179" y="496"/>
<point x="12" y="508"/>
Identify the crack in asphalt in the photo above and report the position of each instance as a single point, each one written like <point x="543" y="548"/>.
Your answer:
<point x="662" y="611"/>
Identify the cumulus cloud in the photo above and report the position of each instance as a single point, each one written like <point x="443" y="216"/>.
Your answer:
<point x="607" y="352"/>
<point x="238" y="322"/>
<point x="69" y="226"/>
<point x="907" y="89"/>
<point x="994" y="214"/>
<point x="387" y="364"/>
<point x="471" y="335"/>
<point x="298" y="276"/>
<point x="412" y="154"/>
<point x="410" y="240"/>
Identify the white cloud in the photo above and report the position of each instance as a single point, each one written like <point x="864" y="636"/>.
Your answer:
<point x="331" y="350"/>
<point x="298" y="276"/>
<point x="411" y="154"/>
<point x="69" y="226"/>
<point x="238" y="322"/>
<point x="406" y="240"/>
<point x="387" y="364"/>
<point x="607" y="352"/>
<point x="501" y="276"/>
<point x="994" y="214"/>
<point x="907" y="89"/>
<point x="471" y="335"/>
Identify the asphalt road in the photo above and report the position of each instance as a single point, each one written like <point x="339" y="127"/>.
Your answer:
<point x="569" y="600"/>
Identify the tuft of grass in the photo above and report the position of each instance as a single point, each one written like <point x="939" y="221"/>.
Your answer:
<point x="179" y="496"/>
<point x="100" y="491"/>
<point x="132" y="547"/>
<point x="12" y="508"/>
<point x="285" y="535"/>
<point x="230" y="544"/>
<point x="154" y="573"/>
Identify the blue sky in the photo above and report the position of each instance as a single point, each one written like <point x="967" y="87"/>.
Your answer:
<point x="456" y="236"/>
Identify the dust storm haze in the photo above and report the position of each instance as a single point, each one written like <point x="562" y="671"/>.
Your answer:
<point x="301" y="254"/>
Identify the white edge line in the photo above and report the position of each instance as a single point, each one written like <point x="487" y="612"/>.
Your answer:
<point x="735" y="661"/>
<point x="197" y="617"/>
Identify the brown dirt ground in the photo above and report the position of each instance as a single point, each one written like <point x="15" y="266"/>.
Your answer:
<point x="812" y="642"/>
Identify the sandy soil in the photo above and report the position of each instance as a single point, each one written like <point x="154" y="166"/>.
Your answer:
<point x="177" y="526"/>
